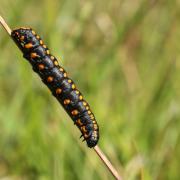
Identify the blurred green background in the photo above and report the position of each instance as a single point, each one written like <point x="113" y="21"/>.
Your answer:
<point x="124" y="57"/>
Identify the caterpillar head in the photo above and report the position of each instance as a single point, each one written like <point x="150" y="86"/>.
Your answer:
<point x="92" y="142"/>
<point x="25" y="38"/>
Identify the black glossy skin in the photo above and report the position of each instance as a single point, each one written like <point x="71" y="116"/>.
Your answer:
<point x="44" y="64"/>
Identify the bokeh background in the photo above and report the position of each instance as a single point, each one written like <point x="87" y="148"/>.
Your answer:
<point x="124" y="57"/>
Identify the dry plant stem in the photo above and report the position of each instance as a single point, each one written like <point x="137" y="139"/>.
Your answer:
<point x="107" y="163"/>
<point x="5" y="26"/>
<point x="96" y="148"/>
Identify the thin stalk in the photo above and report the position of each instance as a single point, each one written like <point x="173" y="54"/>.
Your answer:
<point x="5" y="26"/>
<point x="107" y="163"/>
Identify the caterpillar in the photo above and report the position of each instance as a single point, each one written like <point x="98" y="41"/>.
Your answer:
<point x="55" y="78"/>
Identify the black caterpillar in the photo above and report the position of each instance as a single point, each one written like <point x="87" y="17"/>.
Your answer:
<point x="55" y="78"/>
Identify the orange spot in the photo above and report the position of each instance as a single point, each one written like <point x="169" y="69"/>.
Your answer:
<point x="74" y="112"/>
<point x="29" y="45"/>
<point x="78" y="122"/>
<point x="22" y="38"/>
<point x="83" y="129"/>
<point x="66" y="101"/>
<point x="33" y="55"/>
<point x="41" y="66"/>
<point x="58" y="91"/>
<point x="50" y="79"/>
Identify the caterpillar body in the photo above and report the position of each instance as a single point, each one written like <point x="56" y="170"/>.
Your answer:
<point x="55" y="77"/>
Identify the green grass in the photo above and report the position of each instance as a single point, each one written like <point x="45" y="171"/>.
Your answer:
<point x="124" y="57"/>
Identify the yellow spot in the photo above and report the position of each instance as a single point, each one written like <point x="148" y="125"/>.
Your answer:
<point x="65" y="74"/>
<point x="89" y="112"/>
<point x="84" y="103"/>
<point x="95" y="127"/>
<point x="95" y="134"/>
<point x="33" y="55"/>
<point x="87" y="107"/>
<point x="61" y="69"/>
<point x="74" y="112"/>
<point x="58" y="91"/>
<point x="50" y="79"/>
<point x="41" y="66"/>
<point x="33" y="32"/>
<point x="52" y="57"/>
<point x="47" y="52"/>
<point x="80" y="97"/>
<point x="67" y="101"/>
<point x="37" y="37"/>
<point x="24" y="28"/>
<point x="41" y="42"/>
<point x="73" y="86"/>
<point x="29" y="45"/>
<point x="69" y="81"/>
<point x="77" y="92"/>
<point x="56" y="63"/>
<point x="44" y="46"/>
